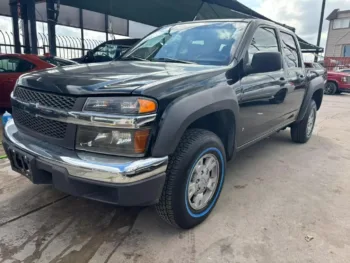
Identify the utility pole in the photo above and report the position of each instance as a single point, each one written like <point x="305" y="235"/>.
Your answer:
<point x="320" y="26"/>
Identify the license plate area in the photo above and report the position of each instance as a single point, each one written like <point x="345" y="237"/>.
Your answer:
<point x="21" y="162"/>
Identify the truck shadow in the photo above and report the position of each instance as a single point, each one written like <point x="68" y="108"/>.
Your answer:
<point x="77" y="230"/>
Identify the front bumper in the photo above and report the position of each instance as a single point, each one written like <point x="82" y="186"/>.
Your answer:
<point x="344" y="87"/>
<point x="111" y="179"/>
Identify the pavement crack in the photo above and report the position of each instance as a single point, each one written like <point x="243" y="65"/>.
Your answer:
<point x="34" y="210"/>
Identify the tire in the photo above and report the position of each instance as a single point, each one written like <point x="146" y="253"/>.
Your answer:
<point x="330" y="88"/>
<point x="299" y="131"/>
<point x="175" y="206"/>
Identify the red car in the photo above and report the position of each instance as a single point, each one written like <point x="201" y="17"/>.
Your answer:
<point x="337" y="82"/>
<point x="14" y="65"/>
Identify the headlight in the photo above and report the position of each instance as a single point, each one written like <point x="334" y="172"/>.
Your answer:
<point x="344" y="79"/>
<point x="120" y="105"/>
<point x="121" y="142"/>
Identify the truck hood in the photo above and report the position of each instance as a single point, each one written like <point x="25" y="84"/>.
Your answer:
<point x="117" y="77"/>
<point x="338" y="74"/>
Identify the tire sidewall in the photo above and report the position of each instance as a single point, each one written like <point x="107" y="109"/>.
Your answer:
<point x="312" y="108"/>
<point x="334" y="88"/>
<point x="183" y="213"/>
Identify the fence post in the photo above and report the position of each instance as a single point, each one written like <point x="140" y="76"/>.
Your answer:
<point x="51" y="25"/>
<point x="81" y="23"/>
<point x="15" y="27"/>
<point x="24" y="16"/>
<point x="32" y="21"/>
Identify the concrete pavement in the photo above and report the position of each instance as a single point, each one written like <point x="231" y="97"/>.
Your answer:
<point x="282" y="202"/>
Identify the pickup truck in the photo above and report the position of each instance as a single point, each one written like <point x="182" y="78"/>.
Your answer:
<point x="337" y="82"/>
<point x="158" y="126"/>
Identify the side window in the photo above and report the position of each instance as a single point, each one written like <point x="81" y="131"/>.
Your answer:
<point x="106" y="50"/>
<point x="15" y="65"/>
<point x="264" y="40"/>
<point x="8" y="65"/>
<point x="290" y="51"/>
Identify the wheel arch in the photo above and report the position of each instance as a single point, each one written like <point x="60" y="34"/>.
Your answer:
<point x="204" y="110"/>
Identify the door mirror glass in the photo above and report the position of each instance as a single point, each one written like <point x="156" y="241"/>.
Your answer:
<point x="90" y="55"/>
<point x="312" y="74"/>
<point x="264" y="62"/>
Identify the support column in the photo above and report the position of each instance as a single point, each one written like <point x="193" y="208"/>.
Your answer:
<point x="81" y="23"/>
<point x="106" y="26"/>
<point x="15" y="27"/>
<point x="51" y="26"/>
<point x="32" y="23"/>
<point x="320" y="27"/>
<point x="24" y="16"/>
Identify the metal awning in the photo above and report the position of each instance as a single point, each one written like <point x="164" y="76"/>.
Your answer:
<point x="161" y="12"/>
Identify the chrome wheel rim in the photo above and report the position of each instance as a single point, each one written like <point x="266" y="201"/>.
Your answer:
<point x="203" y="181"/>
<point x="311" y="122"/>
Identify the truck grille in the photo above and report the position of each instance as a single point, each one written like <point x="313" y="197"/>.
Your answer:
<point x="54" y="129"/>
<point x="44" y="99"/>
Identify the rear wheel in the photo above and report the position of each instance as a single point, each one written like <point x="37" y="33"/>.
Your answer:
<point x="195" y="177"/>
<point x="301" y="132"/>
<point x="330" y="88"/>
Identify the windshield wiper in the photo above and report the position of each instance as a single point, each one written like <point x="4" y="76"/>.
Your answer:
<point x="134" y="58"/>
<point x="173" y="60"/>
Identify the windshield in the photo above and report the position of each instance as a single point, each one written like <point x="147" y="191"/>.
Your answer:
<point x="202" y="43"/>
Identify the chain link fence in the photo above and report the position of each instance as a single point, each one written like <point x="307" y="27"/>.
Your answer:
<point x="67" y="47"/>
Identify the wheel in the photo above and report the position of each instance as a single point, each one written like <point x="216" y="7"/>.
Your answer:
<point x="330" y="88"/>
<point x="195" y="177"/>
<point x="301" y="132"/>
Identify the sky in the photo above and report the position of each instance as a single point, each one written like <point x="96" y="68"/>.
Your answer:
<point x="304" y="15"/>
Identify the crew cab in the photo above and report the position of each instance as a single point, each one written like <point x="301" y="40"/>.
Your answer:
<point x="337" y="82"/>
<point x="158" y="126"/>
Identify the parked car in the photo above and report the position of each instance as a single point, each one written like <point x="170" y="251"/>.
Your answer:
<point x="159" y="125"/>
<point x="56" y="61"/>
<point x="14" y="65"/>
<point x="107" y="51"/>
<point x="345" y="70"/>
<point x="337" y="82"/>
<point x="317" y="68"/>
<point x="11" y="67"/>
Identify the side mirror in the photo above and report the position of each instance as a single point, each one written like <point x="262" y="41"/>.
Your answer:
<point x="89" y="54"/>
<point x="264" y="62"/>
<point x="312" y="74"/>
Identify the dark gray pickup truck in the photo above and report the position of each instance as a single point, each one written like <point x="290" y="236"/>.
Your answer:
<point x="158" y="126"/>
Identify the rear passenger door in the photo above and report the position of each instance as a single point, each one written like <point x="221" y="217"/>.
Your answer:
<point x="295" y="71"/>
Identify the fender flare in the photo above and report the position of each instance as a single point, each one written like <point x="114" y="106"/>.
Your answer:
<point x="314" y="85"/>
<point x="181" y="113"/>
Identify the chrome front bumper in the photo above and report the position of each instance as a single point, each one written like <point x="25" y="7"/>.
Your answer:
<point x="92" y="166"/>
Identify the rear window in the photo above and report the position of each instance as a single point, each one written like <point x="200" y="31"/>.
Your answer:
<point x="290" y="51"/>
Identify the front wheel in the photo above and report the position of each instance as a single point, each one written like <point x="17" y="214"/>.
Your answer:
<point x="195" y="178"/>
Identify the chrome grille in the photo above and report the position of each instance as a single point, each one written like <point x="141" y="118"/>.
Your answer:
<point x="45" y="99"/>
<point x="54" y="129"/>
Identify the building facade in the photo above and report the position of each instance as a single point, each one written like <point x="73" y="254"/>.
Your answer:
<point x="338" y="41"/>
